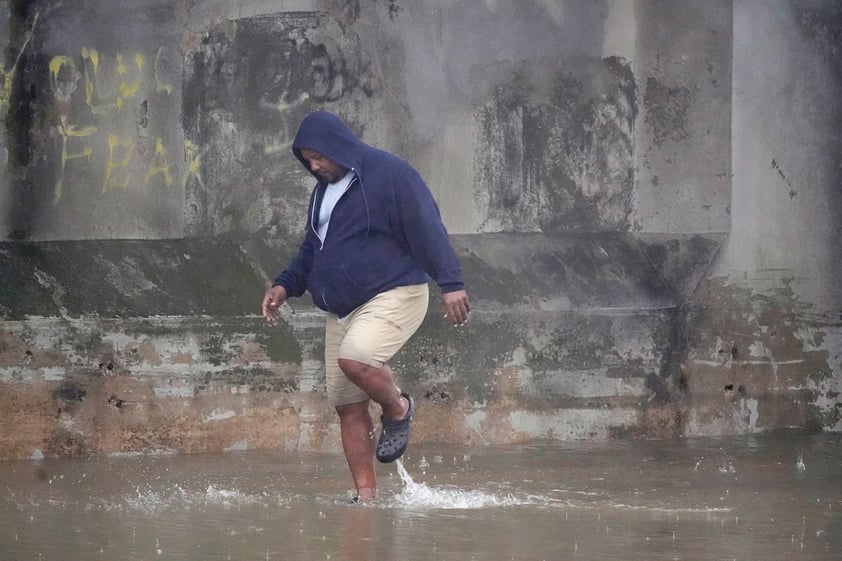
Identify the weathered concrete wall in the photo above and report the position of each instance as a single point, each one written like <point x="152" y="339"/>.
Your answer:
<point x="581" y="153"/>
<point x="682" y="198"/>
<point x="514" y="113"/>
<point x="682" y="141"/>
<point x="93" y="141"/>
<point x="766" y="324"/>
<point x="9" y="70"/>
<point x="165" y="365"/>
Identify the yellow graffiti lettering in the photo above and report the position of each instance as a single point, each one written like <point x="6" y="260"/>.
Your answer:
<point x="107" y="88"/>
<point x="92" y="89"/>
<point x="276" y="147"/>
<point x="193" y="157"/>
<point x="163" y="167"/>
<point x="283" y="108"/>
<point x="94" y="97"/>
<point x="92" y="55"/>
<point x="63" y="85"/>
<point x="68" y="131"/>
<point x="129" y="90"/>
<point x="56" y="64"/>
<point x="113" y="164"/>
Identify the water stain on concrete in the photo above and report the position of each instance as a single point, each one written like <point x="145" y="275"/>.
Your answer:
<point x="666" y="110"/>
<point x="559" y="159"/>
<point x="780" y="379"/>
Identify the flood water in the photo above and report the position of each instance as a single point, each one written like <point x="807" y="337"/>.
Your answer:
<point x="768" y="497"/>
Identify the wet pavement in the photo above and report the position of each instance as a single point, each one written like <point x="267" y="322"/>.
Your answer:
<point x="774" y="496"/>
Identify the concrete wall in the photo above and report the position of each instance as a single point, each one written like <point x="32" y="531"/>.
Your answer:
<point x="628" y="279"/>
<point x="765" y="324"/>
<point x="92" y="124"/>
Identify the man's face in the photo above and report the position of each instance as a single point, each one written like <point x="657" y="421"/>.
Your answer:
<point x="326" y="170"/>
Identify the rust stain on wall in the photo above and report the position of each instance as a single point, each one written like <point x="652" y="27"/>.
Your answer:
<point x="757" y="361"/>
<point x="79" y="389"/>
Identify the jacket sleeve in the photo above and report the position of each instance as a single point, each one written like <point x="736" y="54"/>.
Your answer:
<point x="419" y="226"/>
<point x="294" y="277"/>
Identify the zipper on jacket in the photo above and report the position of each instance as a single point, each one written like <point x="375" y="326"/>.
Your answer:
<point x="313" y="215"/>
<point x="313" y="223"/>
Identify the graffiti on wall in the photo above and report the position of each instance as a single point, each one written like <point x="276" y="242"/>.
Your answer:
<point x="115" y="140"/>
<point x="94" y="144"/>
<point x="96" y="100"/>
<point x="246" y="88"/>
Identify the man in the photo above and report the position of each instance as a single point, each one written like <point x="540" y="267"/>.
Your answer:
<point x="374" y="239"/>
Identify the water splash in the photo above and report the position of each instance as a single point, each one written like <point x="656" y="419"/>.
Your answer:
<point x="422" y="496"/>
<point x="423" y="465"/>
<point x="799" y="464"/>
<point x="151" y="501"/>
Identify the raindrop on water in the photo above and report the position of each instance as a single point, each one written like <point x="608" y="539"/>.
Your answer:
<point x="799" y="465"/>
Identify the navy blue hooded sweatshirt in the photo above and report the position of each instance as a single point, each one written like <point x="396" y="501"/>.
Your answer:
<point x="385" y="231"/>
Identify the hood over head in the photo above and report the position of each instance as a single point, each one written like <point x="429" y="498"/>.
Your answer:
<point x="328" y="135"/>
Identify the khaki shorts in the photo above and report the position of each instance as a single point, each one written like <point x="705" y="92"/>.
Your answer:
<point x="371" y="334"/>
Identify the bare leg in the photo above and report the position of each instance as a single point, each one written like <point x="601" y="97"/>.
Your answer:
<point x="357" y="431"/>
<point x="379" y="384"/>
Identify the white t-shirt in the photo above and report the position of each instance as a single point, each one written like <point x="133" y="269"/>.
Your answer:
<point x="332" y="193"/>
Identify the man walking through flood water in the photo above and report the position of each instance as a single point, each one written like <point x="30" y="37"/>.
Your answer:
<point x="374" y="238"/>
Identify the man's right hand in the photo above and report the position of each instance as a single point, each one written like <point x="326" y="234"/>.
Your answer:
<point x="272" y="301"/>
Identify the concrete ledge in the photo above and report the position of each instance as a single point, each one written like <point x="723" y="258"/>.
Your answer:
<point x="114" y="347"/>
<point x="681" y="259"/>
<point x="127" y="278"/>
<point x="188" y="384"/>
<point x="225" y="277"/>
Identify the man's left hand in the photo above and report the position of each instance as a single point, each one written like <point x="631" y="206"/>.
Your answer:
<point x="456" y="307"/>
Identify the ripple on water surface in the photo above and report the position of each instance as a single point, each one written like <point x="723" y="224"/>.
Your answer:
<point x="773" y="497"/>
